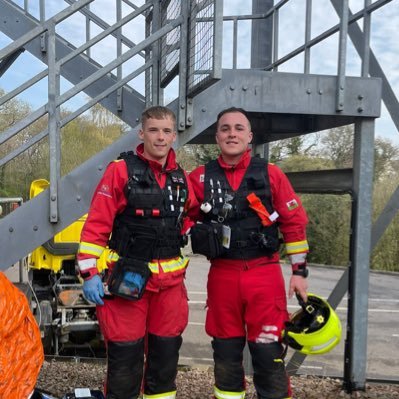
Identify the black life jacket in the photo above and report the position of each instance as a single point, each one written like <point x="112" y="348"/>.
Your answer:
<point x="149" y="226"/>
<point x="249" y="238"/>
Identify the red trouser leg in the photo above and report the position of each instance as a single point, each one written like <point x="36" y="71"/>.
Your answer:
<point x="162" y="314"/>
<point x="252" y="304"/>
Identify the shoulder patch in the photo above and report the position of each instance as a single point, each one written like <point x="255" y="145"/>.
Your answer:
<point x="291" y="205"/>
<point x="105" y="190"/>
<point x="202" y="178"/>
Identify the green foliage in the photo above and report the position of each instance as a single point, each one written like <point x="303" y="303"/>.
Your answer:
<point x="187" y="158"/>
<point x="80" y="139"/>
<point x="328" y="228"/>
<point x="386" y="253"/>
<point x="337" y="145"/>
<point x="83" y="137"/>
<point x="206" y="152"/>
<point x="192" y="155"/>
<point x="300" y="163"/>
<point x="385" y="159"/>
<point x="15" y="176"/>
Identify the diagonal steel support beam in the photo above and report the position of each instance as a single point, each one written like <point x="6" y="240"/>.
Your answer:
<point x="357" y="37"/>
<point x="6" y="62"/>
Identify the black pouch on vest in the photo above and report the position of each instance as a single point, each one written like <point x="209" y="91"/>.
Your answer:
<point x="207" y="239"/>
<point x="129" y="278"/>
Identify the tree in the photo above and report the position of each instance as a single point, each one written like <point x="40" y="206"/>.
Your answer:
<point x="13" y="174"/>
<point x="337" y="145"/>
<point x="193" y="155"/>
<point x="385" y="158"/>
<point x="300" y="145"/>
<point x="82" y="137"/>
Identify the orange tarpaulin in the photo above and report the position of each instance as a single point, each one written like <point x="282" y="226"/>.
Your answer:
<point x="21" y="350"/>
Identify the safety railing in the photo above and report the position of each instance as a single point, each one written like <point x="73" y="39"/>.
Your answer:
<point x="164" y="45"/>
<point x="346" y="19"/>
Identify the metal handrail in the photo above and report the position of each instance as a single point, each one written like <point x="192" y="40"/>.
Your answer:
<point x="34" y="33"/>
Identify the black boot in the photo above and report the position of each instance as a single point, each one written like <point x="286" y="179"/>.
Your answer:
<point x="125" y="369"/>
<point x="161" y="365"/>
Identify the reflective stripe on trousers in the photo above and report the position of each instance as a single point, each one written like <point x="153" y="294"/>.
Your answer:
<point x="166" y="395"/>
<point x="228" y="395"/>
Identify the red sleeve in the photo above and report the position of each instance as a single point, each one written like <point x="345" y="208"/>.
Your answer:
<point x="108" y="200"/>
<point x="292" y="216"/>
<point x="192" y="205"/>
<point x="197" y="181"/>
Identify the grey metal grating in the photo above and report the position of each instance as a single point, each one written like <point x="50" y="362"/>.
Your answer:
<point x="170" y="43"/>
<point x="201" y="44"/>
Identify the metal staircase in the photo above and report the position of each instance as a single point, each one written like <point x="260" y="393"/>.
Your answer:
<point x="176" y="46"/>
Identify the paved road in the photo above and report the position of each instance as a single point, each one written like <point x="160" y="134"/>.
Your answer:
<point x="383" y="331"/>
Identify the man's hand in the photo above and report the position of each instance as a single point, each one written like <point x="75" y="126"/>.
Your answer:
<point x="93" y="290"/>
<point x="299" y="285"/>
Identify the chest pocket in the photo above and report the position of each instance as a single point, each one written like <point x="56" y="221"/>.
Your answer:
<point x="143" y="192"/>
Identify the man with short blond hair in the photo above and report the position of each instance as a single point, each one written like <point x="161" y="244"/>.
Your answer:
<point x="138" y="211"/>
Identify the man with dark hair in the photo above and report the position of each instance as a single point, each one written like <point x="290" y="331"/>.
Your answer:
<point x="142" y="200"/>
<point x="244" y="204"/>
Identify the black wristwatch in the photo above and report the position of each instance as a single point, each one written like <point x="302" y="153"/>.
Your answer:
<point x="302" y="270"/>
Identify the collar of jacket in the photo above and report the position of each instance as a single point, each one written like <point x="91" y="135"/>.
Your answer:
<point x="242" y="163"/>
<point x="170" y="163"/>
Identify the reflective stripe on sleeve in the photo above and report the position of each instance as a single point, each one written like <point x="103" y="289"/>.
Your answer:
<point x="91" y="249"/>
<point x="296" y="247"/>
<point x="112" y="256"/>
<point x="86" y="264"/>
<point x="227" y="395"/>
<point x="169" y="266"/>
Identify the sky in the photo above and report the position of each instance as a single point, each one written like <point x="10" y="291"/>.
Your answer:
<point x="384" y="43"/>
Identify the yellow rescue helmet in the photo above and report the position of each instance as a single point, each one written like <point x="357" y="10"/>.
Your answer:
<point x="314" y="329"/>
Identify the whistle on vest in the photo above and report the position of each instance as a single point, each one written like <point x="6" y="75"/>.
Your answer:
<point x="256" y="204"/>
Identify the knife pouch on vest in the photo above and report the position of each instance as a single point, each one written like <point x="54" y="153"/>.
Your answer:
<point x="129" y="278"/>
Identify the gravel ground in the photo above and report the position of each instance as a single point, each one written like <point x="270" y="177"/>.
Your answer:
<point x="60" y="378"/>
